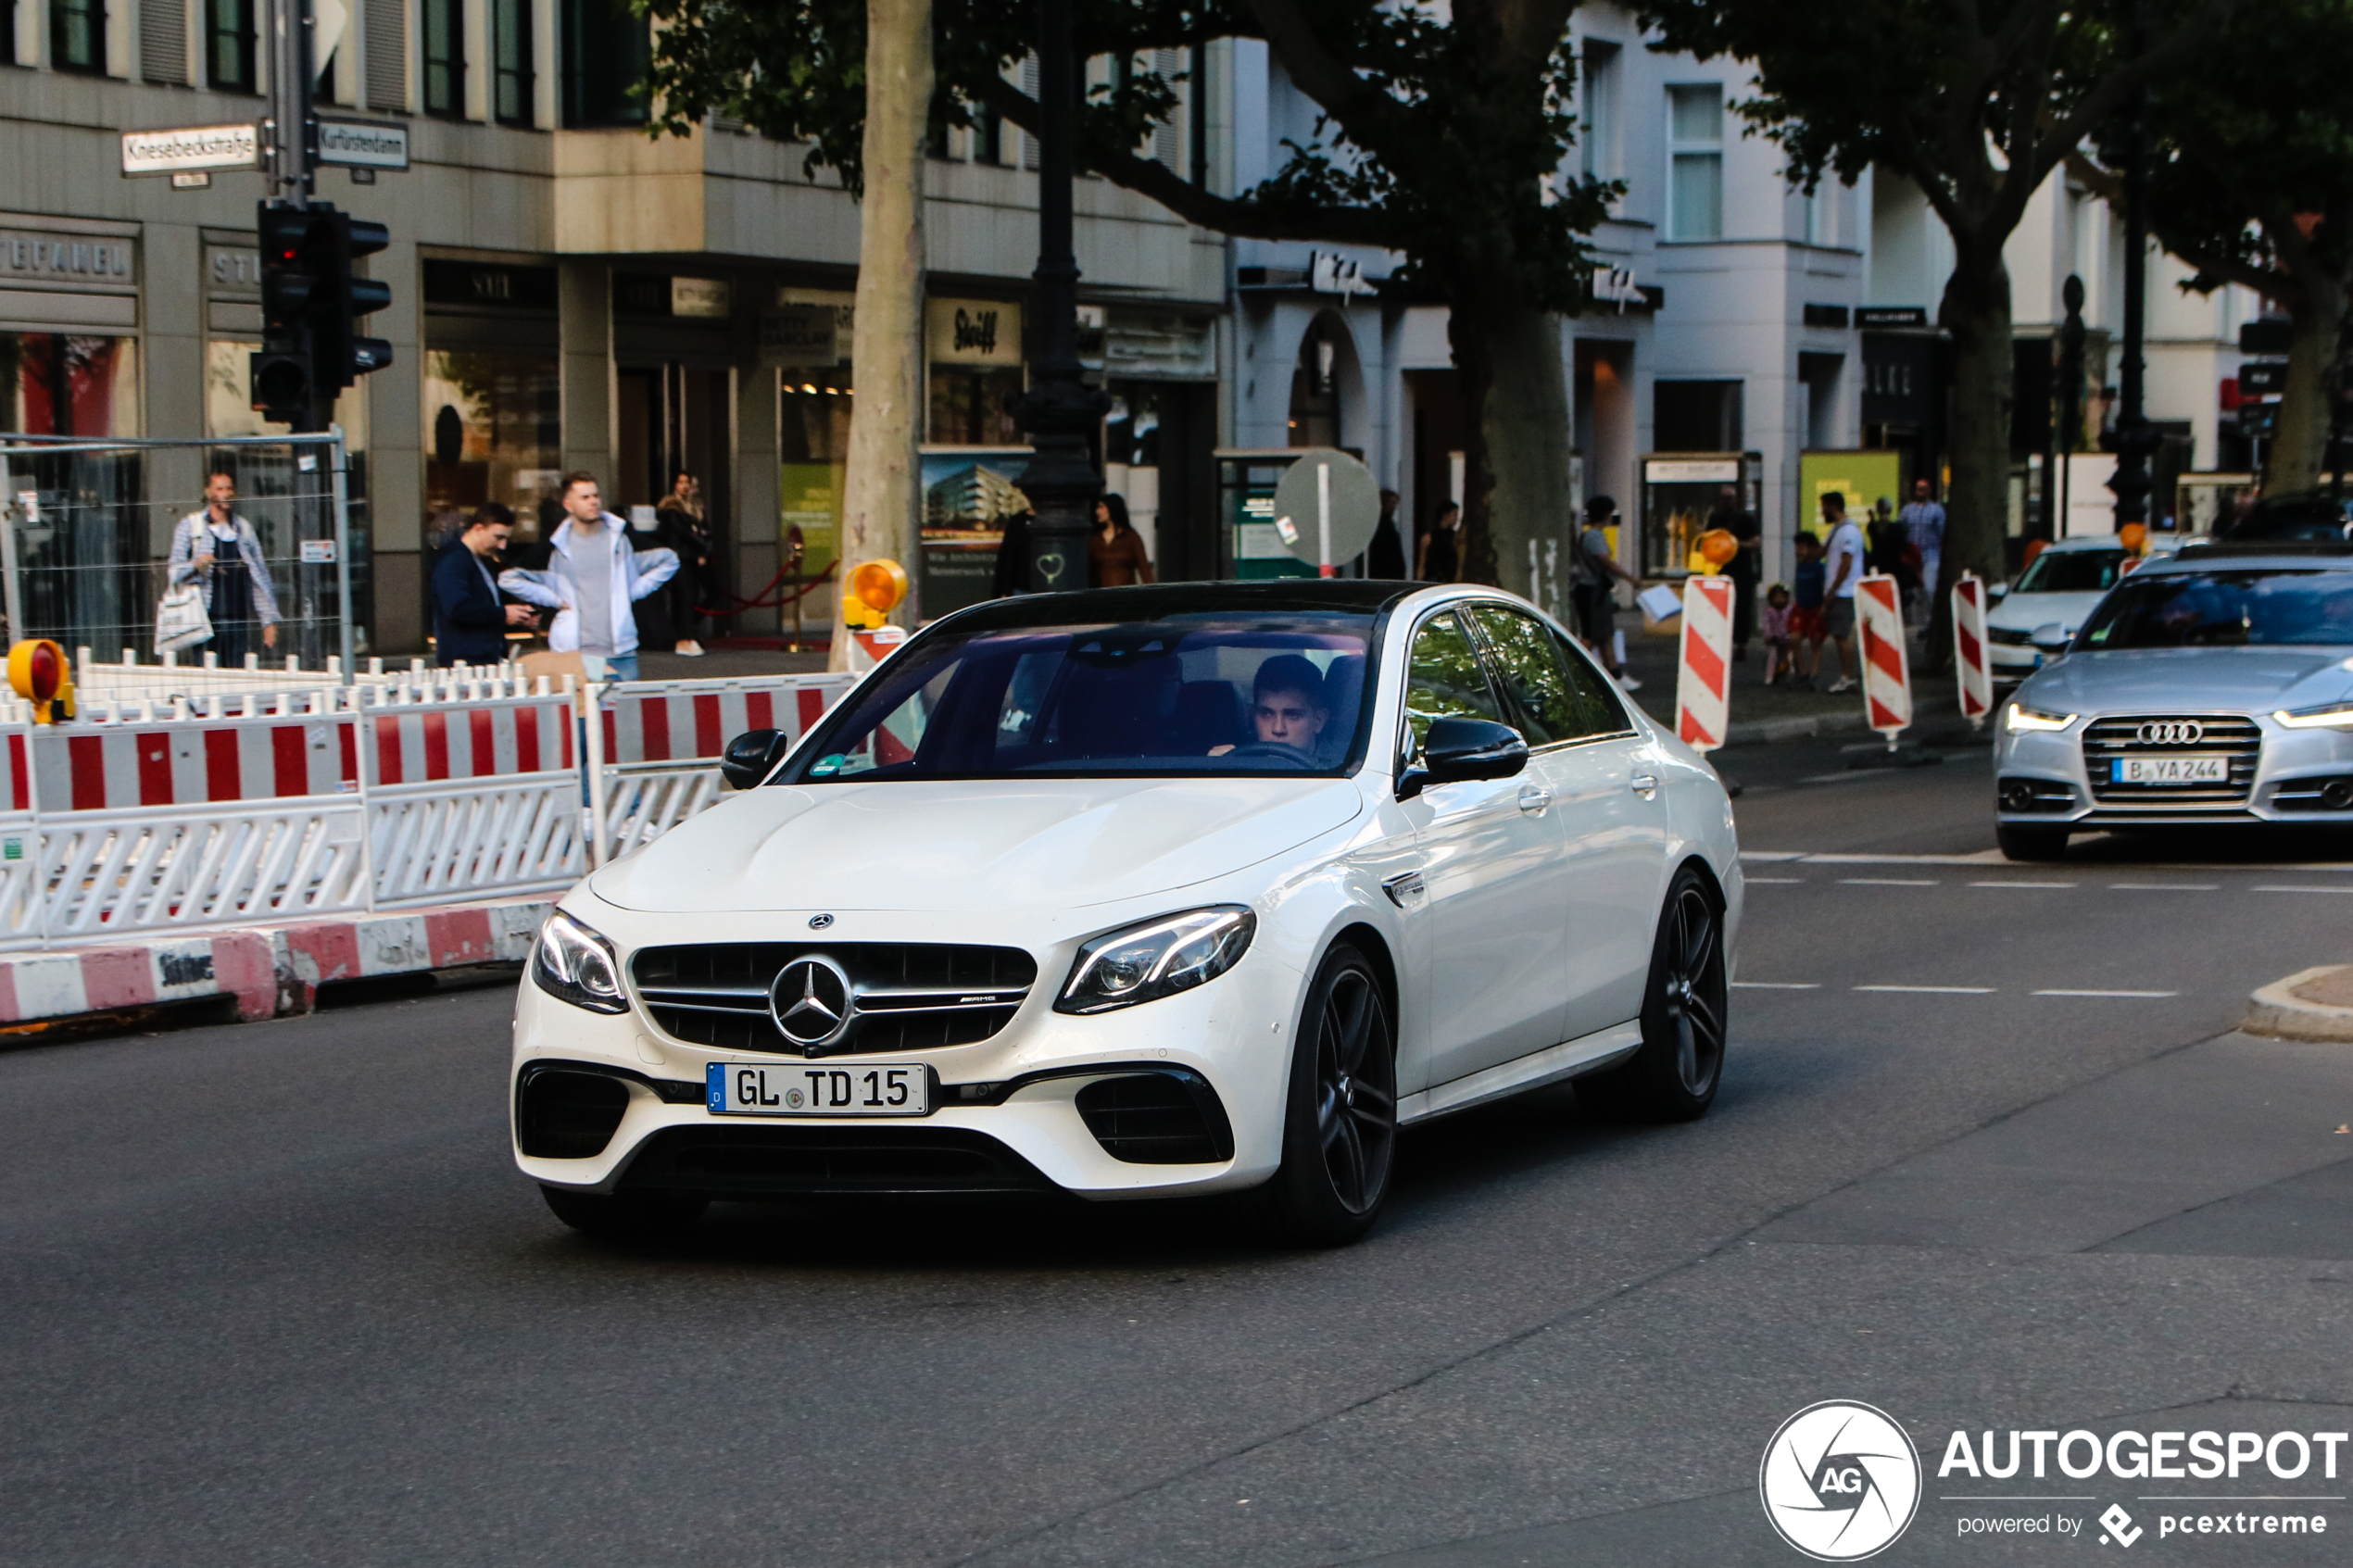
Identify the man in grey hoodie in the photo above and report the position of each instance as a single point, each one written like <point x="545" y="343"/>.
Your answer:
<point x="592" y="581"/>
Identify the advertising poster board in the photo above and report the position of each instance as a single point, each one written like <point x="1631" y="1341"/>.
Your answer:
<point x="967" y="492"/>
<point x="1862" y="477"/>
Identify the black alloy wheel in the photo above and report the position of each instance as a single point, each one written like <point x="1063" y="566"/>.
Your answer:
<point x="1340" y="1128"/>
<point x="1673" y="1075"/>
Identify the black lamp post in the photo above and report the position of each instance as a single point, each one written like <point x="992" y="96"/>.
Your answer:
<point x="1059" y="411"/>
<point x="2134" y="440"/>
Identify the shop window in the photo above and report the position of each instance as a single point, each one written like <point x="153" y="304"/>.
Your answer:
<point x="511" y="42"/>
<point x="227" y="50"/>
<point x="969" y="405"/>
<point x="446" y="57"/>
<point x="78" y="35"/>
<point x="1314" y="393"/>
<point x="1695" y="172"/>
<point x="812" y="444"/>
<point x="56" y="384"/>
<point x="1696" y="416"/>
<point x="606" y="53"/>
<point x="492" y="433"/>
<point x="388" y="56"/>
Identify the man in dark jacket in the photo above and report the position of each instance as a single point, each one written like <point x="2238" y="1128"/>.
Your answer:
<point x="469" y="624"/>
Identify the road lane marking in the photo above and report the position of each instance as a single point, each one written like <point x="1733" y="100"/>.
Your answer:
<point x="1883" y="882"/>
<point x="2165" y="887"/>
<point x="1776" y="881"/>
<point x="1777" y="985"/>
<point x="2025" y="884"/>
<point x="1934" y="990"/>
<point x="1977" y="857"/>
<point x="2061" y="993"/>
<point x="2310" y="887"/>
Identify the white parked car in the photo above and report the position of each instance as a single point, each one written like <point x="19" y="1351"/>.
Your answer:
<point x="1142" y="892"/>
<point x="2061" y="586"/>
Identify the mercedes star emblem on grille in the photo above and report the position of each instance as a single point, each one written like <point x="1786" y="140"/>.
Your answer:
<point x="2170" y="731"/>
<point x="811" y="1001"/>
<point x="819" y="923"/>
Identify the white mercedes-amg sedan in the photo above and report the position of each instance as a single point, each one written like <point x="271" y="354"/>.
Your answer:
<point x="1141" y="892"/>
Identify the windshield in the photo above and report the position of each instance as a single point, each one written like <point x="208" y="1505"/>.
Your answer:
<point x="2182" y="610"/>
<point x="2071" y="571"/>
<point x="1213" y="695"/>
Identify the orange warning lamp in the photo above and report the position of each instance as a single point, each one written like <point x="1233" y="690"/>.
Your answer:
<point x="39" y="673"/>
<point x="1717" y="546"/>
<point x="2133" y="536"/>
<point x="876" y="588"/>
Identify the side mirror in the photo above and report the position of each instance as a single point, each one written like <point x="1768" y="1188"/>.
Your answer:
<point x="2050" y="638"/>
<point x="753" y="756"/>
<point x="1999" y="590"/>
<point x="1464" y="748"/>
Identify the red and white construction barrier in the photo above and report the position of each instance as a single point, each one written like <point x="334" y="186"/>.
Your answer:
<point x="1702" y="685"/>
<point x="191" y="762"/>
<point x="655" y="748"/>
<point x="422" y="744"/>
<point x="1972" y="655"/>
<point x="1887" y="678"/>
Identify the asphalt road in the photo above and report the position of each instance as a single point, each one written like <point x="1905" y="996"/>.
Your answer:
<point x="273" y="1294"/>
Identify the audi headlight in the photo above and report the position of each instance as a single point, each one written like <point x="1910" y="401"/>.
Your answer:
<point x="2335" y="716"/>
<point x="573" y="964"/>
<point x="1157" y="959"/>
<point x="2021" y="720"/>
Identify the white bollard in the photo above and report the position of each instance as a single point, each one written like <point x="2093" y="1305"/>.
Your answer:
<point x="1703" y="681"/>
<point x="1887" y="676"/>
<point x="1972" y="655"/>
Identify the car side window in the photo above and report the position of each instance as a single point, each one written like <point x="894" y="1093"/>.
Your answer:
<point x="1605" y="712"/>
<point x="1534" y="674"/>
<point x="1445" y="678"/>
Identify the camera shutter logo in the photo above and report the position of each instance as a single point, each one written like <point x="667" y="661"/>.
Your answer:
<point x="810" y="1002"/>
<point x="1840" y="1481"/>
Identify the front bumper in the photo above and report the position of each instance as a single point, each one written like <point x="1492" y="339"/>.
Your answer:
<point x="2044" y="778"/>
<point x="1008" y="1112"/>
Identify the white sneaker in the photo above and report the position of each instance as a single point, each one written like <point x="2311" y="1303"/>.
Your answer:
<point x="1843" y="684"/>
<point x="1628" y="682"/>
<point x="689" y="649"/>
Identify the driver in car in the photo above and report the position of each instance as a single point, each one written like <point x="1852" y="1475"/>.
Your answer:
<point x="1286" y="705"/>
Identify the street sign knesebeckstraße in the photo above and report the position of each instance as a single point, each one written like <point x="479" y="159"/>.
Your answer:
<point x="354" y="143"/>
<point x="192" y="147"/>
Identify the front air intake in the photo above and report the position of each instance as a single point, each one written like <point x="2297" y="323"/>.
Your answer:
<point x="562" y="1114"/>
<point x="1157" y="1119"/>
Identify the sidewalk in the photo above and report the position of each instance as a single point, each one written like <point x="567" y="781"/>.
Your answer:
<point x="1761" y="714"/>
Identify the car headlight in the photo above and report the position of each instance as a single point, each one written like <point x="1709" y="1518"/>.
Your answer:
<point x="1157" y="959"/>
<point x="573" y="964"/>
<point x="2335" y="716"/>
<point x="2020" y="719"/>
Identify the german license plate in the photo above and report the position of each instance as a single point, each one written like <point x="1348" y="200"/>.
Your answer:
<point x="891" y="1089"/>
<point x="2171" y="770"/>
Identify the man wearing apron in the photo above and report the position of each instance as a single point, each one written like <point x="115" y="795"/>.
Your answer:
<point x="219" y="550"/>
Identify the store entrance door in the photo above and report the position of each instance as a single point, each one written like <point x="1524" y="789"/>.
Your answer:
<point x="674" y="417"/>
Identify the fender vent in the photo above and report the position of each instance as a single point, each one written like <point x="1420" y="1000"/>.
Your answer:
<point x="1157" y="1119"/>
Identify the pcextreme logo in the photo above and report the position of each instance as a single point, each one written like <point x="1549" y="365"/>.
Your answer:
<point x="1840" y="1481"/>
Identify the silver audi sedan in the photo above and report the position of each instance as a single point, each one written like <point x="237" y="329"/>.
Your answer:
<point x="2214" y="687"/>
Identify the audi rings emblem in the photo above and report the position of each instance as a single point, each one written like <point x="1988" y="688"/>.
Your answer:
<point x="2170" y="731"/>
<point x="809" y="1000"/>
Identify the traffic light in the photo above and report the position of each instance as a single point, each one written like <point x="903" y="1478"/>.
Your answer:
<point x="309" y="306"/>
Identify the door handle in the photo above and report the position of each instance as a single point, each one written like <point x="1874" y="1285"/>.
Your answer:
<point x="1531" y="799"/>
<point x="1646" y="785"/>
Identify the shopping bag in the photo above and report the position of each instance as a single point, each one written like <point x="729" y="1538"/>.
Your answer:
<point x="180" y="620"/>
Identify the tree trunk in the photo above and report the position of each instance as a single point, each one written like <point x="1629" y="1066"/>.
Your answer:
<point x="1521" y="512"/>
<point x="1976" y="311"/>
<point x="2299" y="453"/>
<point x="879" y="516"/>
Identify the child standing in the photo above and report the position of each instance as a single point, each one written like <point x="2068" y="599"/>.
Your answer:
<point x="1806" y="625"/>
<point x="1772" y="625"/>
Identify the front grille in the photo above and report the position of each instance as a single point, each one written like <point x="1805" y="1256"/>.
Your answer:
<point x="905" y="995"/>
<point x="2222" y="734"/>
<point x="779" y="1162"/>
<point x="565" y="1115"/>
<point x="1157" y="1119"/>
<point x="2010" y="638"/>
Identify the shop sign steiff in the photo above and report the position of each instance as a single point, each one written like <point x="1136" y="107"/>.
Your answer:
<point x="973" y="331"/>
<point x="800" y="335"/>
<point x="30" y="258"/>
<point x="192" y="147"/>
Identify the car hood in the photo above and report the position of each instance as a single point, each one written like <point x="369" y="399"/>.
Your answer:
<point x="2029" y="613"/>
<point x="2191" y="680"/>
<point x="980" y="845"/>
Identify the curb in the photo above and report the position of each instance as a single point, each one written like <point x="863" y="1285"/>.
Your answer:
<point x="2277" y="1009"/>
<point x="272" y="971"/>
<point x="1764" y="732"/>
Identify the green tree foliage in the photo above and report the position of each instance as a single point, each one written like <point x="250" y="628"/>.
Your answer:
<point x="1974" y="101"/>
<point x="2252" y="184"/>
<point x="1440" y="136"/>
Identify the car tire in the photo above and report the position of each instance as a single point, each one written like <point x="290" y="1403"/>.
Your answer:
<point x="1673" y="1075"/>
<point x="636" y="1217"/>
<point x="1340" y="1118"/>
<point x="2021" y="842"/>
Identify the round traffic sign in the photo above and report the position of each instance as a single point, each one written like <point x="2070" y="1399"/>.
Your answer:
<point x="1321" y="486"/>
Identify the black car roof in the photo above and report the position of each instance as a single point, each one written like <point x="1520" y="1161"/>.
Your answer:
<point x="2232" y="556"/>
<point x="1286" y="595"/>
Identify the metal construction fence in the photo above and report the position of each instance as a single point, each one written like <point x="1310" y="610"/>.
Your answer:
<point x="410" y="788"/>
<point x="85" y="557"/>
